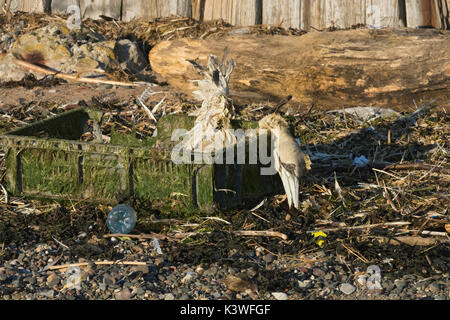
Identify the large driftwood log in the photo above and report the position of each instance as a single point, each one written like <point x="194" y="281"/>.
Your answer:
<point x="387" y="68"/>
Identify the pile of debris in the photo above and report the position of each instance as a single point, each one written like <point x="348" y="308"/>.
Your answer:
<point x="79" y="51"/>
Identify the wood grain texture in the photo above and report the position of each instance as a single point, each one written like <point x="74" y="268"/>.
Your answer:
<point x="321" y="14"/>
<point x="60" y="6"/>
<point x="235" y="12"/>
<point x="344" y="68"/>
<point x="93" y="9"/>
<point x="29" y="6"/>
<point x="151" y="9"/>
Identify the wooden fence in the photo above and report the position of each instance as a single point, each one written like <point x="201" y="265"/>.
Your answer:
<point x="299" y="14"/>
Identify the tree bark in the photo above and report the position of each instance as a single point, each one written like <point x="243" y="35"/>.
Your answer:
<point x="386" y="68"/>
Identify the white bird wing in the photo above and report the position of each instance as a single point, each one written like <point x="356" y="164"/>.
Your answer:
<point x="286" y="184"/>
<point x="291" y="186"/>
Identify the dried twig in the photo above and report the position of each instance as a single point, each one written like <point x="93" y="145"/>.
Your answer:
<point x="70" y="77"/>
<point x="137" y="236"/>
<point x="217" y="219"/>
<point x="264" y="233"/>
<point x="417" y="166"/>
<point x="368" y="226"/>
<point x="410" y="240"/>
<point x="99" y="263"/>
<point x="355" y="253"/>
<point x="147" y="110"/>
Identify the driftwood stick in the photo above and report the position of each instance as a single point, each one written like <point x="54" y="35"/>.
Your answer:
<point x="69" y="77"/>
<point x="137" y="236"/>
<point x="410" y="240"/>
<point x="265" y="233"/>
<point x="368" y="226"/>
<point x="417" y="166"/>
<point x="99" y="263"/>
<point x="425" y="232"/>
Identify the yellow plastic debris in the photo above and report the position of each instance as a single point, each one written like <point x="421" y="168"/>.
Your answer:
<point x="320" y="235"/>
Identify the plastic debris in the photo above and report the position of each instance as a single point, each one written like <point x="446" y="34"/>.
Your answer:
<point x="156" y="246"/>
<point x="121" y="219"/>
<point x="320" y="235"/>
<point x="360" y="162"/>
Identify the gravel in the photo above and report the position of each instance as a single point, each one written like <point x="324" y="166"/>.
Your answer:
<point x="183" y="272"/>
<point x="347" y="288"/>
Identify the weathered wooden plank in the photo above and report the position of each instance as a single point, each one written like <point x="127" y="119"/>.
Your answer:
<point x="198" y="8"/>
<point x="361" y="67"/>
<point x="440" y="14"/>
<point x="283" y="13"/>
<point x="382" y="13"/>
<point x="93" y="9"/>
<point x="151" y="9"/>
<point x="235" y="12"/>
<point x="28" y="5"/>
<point x="61" y="6"/>
<point x="415" y="13"/>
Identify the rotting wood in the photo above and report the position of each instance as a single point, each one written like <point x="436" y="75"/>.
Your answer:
<point x="385" y="68"/>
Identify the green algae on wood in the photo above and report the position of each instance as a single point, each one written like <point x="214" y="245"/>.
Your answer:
<point x="62" y="167"/>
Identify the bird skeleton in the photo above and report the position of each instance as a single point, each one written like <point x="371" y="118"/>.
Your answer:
<point x="210" y="132"/>
<point x="289" y="161"/>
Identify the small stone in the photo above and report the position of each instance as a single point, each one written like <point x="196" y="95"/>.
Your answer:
<point x="52" y="280"/>
<point x="139" y="292"/>
<point x="238" y="284"/>
<point x="400" y="284"/>
<point x="47" y="294"/>
<point x="144" y="269"/>
<point x="15" y="284"/>
<point x="199" y="270"/>
<point x="280" y="295"/>
<point x="434" y="287"/>
<point x="347" y="288"/>
<point x="21" y="257"/>
<point x="251" y="272"/>
<point x="269" y="258"/>
<point x="108" y="279"/>
<point x="318" y="272"/>
<point x="330" y="284"/>
<point x="304" y="284"/>
<point x="169" y="296"/>
<point x="30" y="280"/>
<point x="188" y="277"/>
<point x="124" y="294"/>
